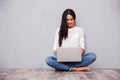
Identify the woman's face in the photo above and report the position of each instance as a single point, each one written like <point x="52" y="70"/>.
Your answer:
<point x="70" y="21"/>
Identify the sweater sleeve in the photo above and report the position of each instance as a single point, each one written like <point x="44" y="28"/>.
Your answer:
<point x="82" y="40"/>
<point x="56" y="45"/>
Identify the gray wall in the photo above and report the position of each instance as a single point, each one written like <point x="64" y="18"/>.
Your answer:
<point x="27" y="30"/>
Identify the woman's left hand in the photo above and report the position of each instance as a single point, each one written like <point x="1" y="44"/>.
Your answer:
<point x="83" y="50"/>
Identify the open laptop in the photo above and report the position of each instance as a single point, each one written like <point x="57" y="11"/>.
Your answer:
<point x="69" y="54"/>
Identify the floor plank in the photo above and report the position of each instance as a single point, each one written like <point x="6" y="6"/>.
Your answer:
<point x="50" y="74"/>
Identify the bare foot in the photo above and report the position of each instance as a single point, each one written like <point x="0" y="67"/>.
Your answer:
<point x="80" y="69"/>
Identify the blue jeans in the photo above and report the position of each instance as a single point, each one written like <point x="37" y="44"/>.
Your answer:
<point x="87" y="59"/>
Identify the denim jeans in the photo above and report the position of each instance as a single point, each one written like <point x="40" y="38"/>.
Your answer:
<point x="87" y="59"/>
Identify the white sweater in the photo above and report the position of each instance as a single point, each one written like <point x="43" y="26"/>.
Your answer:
<point x="75" y="38"/>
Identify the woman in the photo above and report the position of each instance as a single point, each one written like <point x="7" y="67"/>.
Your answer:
<point x="70" y="36"/>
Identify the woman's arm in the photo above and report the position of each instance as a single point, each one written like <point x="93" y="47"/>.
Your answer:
<point x="56" y="45"/>
<point x="82" y="40"/>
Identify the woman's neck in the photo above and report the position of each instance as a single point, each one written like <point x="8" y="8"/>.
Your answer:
<point x="71" y="27"/>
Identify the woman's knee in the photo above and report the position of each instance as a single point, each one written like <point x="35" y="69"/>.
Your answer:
<point x="92" y="56"/>
<point x="49" y="60"/>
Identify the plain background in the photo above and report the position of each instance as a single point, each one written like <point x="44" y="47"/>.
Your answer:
<point x="27" y="30"/>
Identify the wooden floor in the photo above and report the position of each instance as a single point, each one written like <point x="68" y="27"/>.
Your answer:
<point x="50" y="74"/>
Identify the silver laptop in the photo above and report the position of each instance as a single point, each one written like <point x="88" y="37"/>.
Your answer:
<point x="69" y="54"/>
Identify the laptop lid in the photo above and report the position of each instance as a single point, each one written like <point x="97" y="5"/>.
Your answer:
<point x="69" y="54"/>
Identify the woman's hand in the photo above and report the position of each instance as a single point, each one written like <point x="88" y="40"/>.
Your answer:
<point x="83" y="50"/>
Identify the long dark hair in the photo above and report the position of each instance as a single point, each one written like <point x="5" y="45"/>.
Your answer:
<point x="63" y="33"/>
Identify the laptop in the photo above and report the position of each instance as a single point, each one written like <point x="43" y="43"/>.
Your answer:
<point x="69" y="54"/>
